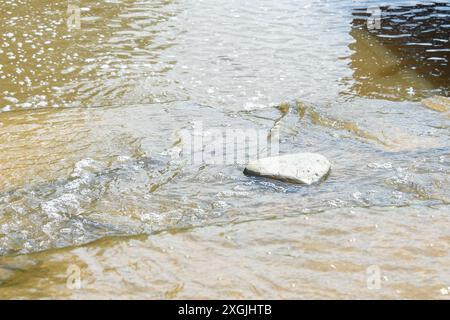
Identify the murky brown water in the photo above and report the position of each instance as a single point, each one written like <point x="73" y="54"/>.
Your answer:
<point x="91" y="180"/>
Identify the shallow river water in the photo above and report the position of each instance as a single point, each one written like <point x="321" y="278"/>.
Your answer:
<point x="96" y="201"/>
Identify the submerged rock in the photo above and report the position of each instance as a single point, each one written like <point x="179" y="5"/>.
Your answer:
<point x="304" y="168"/>
<point x="437" y="103"/>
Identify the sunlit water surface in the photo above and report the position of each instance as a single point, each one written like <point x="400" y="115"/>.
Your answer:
<point x="91" y="178"/>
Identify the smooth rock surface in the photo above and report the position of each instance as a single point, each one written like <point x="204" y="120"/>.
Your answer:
<point x="303" y="168"/>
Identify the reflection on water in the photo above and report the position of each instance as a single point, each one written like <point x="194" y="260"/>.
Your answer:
<point x="44" y="64"/>
<point x="75" y="181"/>
<point x="408" y="57"/>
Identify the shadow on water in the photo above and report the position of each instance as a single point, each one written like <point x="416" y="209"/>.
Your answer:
<point x="403" y="56"/>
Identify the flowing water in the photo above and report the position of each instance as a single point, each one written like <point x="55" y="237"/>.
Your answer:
<point x="92" y="186"/>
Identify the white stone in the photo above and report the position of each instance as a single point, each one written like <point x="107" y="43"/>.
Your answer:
<point x="304" y="168"/>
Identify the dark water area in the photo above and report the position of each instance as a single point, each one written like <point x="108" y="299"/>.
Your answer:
<point x="407" y="57"/>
